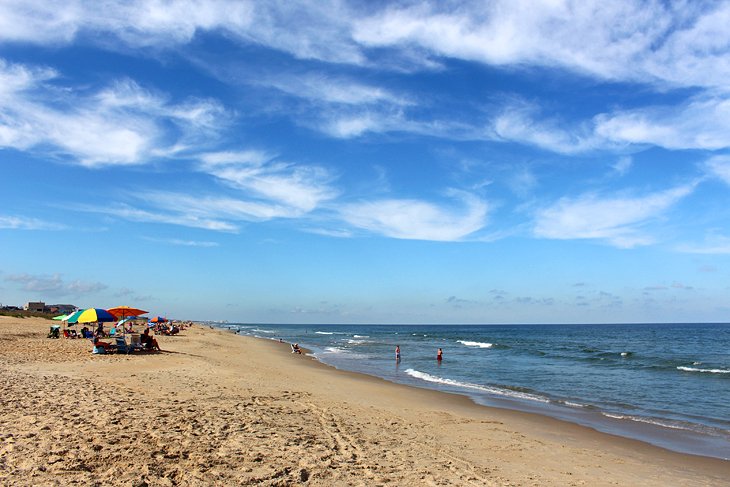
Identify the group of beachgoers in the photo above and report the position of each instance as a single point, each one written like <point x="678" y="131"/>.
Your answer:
<point x="147" y="341"/>
<point x="439" y="354"/>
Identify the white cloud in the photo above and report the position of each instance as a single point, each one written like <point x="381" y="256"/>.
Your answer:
<point x="26" y="223"/>
<point x="292" y="189"/>
<point x="175" y="215"/>
<point x="631" y="40"/>
<point x="683" y="44"/>
<point x="417" y="219"/>
<point x="183" y="243"/>
<point x="308" y="30"/>
<point x="120" y="124"/>
<point x="616" y="220"/>
<point x="719" y="167"/>
<point x="701" y="123"/>
<point x="714" y="244"/>
<point x="518" y="122"/>
<point x="623" y="165"/>
<point x="331" y="89"/>
<point x="54" y="285"/>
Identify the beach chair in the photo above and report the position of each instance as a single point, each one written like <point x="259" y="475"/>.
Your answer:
<point x="135" y="342"/>
<point x="122" y="346"/>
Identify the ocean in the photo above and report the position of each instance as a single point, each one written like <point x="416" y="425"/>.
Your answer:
<point x="665" y="384"/>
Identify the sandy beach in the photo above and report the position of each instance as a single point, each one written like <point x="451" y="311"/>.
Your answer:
<point x="215" y="408"/>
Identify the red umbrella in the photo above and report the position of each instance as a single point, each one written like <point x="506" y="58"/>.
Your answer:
<point x="125" y="311"/>
<point x="158" y="319"/>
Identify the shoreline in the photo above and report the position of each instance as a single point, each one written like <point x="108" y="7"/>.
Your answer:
<point x="689" y="439"/>
<point x="212" y="409"/>
<point x="522" y="414"/>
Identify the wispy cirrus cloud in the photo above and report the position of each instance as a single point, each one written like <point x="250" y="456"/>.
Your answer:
<point x="719" y="167"/>
<point x="615" y="220"/>
<point x="418" y="219"/>
<point x="27" y="223"/>
<point x="648" y="41"/>
<point x="519" y="121"/>
<point x="287" y="189"/>
<point x="702" y="122"/>
<point x="714" y="243"/>
<point x="635" y="40"/>
<point x="119" y="124"/>
<point x="324" y="88"/>
<point x="170" y="214"/>
<point x="182" y="242"/>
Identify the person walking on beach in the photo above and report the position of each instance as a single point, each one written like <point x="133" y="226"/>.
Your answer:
<point x="397" y="353"/>
<point x="440" y="355"/>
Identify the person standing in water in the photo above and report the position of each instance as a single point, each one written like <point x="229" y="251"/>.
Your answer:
<point x="440" y="355"/>
<point x="397" y="353"/>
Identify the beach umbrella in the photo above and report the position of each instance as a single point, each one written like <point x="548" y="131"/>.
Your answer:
<point x="122" y="321"/>
<point x="73" y="317"/>
<point x="158" y="319"/>
<point x="126" y="311"/>
<point x="59" y="317"/>
<point x="92" y="315"/>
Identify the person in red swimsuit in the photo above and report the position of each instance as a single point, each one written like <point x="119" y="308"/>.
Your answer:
<point x="440" y="355"/>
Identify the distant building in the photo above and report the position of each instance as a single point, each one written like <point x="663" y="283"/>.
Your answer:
<point x="35" y="306"/>
<point x="61" y="308"/>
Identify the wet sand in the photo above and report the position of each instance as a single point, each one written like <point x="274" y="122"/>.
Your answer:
<point x="220" y="409"/>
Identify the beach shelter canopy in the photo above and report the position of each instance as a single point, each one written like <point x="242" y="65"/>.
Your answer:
<point x="73" y="317"/>
<point x="59" y="317"/>
<point x="92" y="315"/>
<point x="158" y="319"/>
<point x="126" y="311"/>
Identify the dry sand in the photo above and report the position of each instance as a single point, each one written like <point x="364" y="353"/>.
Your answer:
<point x="220" y="409"/>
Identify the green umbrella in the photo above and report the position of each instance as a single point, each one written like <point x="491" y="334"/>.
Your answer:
<point x="59" y="317"/>
<point x="73" y="317"/>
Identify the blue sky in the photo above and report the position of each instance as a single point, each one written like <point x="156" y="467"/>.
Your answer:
<point x="368" y="162"/>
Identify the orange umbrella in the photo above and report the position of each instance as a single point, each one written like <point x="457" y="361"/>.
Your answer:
<point x="125" y="311"/>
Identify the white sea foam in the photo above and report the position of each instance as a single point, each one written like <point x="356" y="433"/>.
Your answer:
<point x="324" y="333"/>
<point x="257" y="330"/>
<point x="706" y="371"/>
<point x="476" y="344"/>
<point x="639" y="419"/>
<point x="466" y="385"/>
<point x="360" y="336"/>
<point x="625" y="354"/>
<point x="335" y="350"/>
<point x="356" y="342"/>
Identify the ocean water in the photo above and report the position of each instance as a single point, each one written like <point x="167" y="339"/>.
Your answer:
<point x="666" y="384"/>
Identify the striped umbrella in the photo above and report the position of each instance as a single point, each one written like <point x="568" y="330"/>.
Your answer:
<point x="93" y="315"/>
<point x="73" y="317"/>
